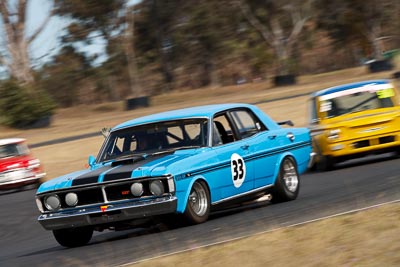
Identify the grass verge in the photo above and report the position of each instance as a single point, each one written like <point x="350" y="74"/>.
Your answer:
<point x="368" y="238"/>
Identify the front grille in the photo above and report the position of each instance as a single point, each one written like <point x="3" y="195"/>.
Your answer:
<point x="123" y="191"/>
<point x="88" y="196"/>
<point x="376" y="141"/>
<point x="118" y="192"/>
<point x="112" y="191"/>
<point x="361" y="144"/>
<point x="386" y="139"/>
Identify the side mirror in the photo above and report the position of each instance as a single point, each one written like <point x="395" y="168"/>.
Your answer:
<point x="315" y="121"/>
<point x="288" y="122"/>
<point x="91" y="161"/>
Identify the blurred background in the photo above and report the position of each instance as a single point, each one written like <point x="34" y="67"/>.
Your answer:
<point x="63" y="53"/>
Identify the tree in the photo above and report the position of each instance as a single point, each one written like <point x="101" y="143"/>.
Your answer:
<point x="107" y="19"/>
<point x="16" y="56"/>
<point x="90" y="18"/>
<point x="129" y="48"/>
<point x="195" y="37"/>
<point x="279" y="23"/>
<point x="155" y="30"/>
<point x="193" y="43"/>
<point x="65" y="76"/>
<point x="366" y="22"/>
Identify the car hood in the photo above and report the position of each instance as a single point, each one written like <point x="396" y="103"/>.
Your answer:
<point x="151" y="166"/>
<point x="363" y="124"/>
<point x="13" y="162"/>
<point x="370" y="117"/>
<point x="363" y="118"/>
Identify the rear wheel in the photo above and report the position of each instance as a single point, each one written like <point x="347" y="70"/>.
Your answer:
<point x="396" y="153"/>
<point x="287" y="184"/>
<point x="198" y="204"/>
<point x="73" y="237"/>
<point x="325" y="163"/>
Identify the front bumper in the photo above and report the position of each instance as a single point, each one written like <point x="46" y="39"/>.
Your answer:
<point x="18" y="178"/>
<point x="363" y="146"/>
<point x="108" y="213"/>
<point x="311" y="162"/>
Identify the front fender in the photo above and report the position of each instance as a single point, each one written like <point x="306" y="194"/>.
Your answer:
<point x="183" y="192"/>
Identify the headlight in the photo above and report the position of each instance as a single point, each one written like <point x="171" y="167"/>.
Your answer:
<point x="71" y="199"/>
<point x="157" y="188"/>
<point x="171" y="185"/>
<point x="52" y="202"/>
<point x="33" y="164"/>
<point x="137" y="189"/>
<point x="333" y="134"/>
<point x="39" y="204"/>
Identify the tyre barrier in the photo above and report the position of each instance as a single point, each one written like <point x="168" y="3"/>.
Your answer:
<point x="380" y="65"/>
<point x="137" y="102"/>
<point x="282" y="80"/>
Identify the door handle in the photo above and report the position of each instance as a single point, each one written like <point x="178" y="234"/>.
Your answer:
<point x="245" y="147"/>
<point x="272" y="137"/>
<point x="291" y="136"/>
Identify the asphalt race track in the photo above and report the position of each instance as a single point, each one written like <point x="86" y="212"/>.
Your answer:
<point x="23" y="242"/>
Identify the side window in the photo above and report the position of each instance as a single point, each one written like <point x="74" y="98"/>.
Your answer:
<point x="222" y="131"/>
<point x="312" y="106"/>
<point x="246" y="123"/>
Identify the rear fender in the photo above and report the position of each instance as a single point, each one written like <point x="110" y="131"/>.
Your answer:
<point x="279" y="163"/>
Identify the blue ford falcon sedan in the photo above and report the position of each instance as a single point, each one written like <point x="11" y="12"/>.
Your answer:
<point x="186" y="162"/>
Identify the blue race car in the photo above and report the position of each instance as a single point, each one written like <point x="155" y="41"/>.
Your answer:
<point x="186" y="162"/>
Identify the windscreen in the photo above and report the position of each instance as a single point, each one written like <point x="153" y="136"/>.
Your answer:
<point x="13" y="150"/>
<point x="155" y="138"/>
<point x="356" y="100"/>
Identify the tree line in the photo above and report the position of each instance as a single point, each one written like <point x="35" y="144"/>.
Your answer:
<point x="156" y="46"/>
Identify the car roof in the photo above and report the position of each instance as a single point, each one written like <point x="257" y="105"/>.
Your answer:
<point x="348" y="86"/>
<point x="206" y="111"/>
<point x="8" y="141"/>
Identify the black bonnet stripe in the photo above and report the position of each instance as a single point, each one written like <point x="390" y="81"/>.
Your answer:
<point x="125" y="171"/>
<point x="90" y="177"/>
<point x="112" y="173"/>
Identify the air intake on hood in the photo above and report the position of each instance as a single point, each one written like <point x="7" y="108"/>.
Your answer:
<point x="126" y="161"/>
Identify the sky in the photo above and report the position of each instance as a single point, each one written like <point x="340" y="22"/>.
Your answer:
<point x="47" y="44"/>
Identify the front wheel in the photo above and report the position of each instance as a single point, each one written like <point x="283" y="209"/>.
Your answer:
<point x="73" y="237"/>
<point x="198" y="204"/>
<point x="287" y="184"/>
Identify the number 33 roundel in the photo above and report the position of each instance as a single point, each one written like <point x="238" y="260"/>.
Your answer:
<point x="238" y="169"/>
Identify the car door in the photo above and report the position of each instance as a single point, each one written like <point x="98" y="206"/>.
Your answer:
<point x="261" y="146"/>
<point x="235" y="176"/>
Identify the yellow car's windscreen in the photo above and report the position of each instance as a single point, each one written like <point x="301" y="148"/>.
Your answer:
<point x="355" y="100"/>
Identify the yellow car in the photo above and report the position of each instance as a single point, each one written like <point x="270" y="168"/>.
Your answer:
<point x="354" y="120"/>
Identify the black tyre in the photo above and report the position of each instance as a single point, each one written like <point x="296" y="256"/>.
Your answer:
<point x="31" y="186"/>
<point x="287" y="185"/>
<point x="73" y="237"/>
<point x="396" y="153"/>
<point x="326" y="163"/>
<point x="198" y="205"/>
